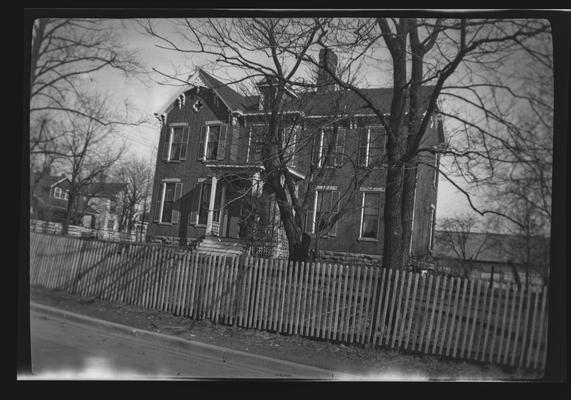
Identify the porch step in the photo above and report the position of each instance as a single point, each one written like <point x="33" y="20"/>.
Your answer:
<point x="228" y="246"/>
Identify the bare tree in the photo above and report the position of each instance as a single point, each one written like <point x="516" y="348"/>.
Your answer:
<point x="88" y="152"/>
<point x="66" y="54"/>
<point x="460" y="236"/>
<point x="447" y="54"/>
<point x="137" y="174"/>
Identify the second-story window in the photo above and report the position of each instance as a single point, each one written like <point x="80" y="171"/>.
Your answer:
<point x="175" y="143"/>
<point x="112" y="206"/>
<point x="212" y="142"/>
<point x="371" y="146"/>
<point x="329" y="147"/>
<point x="255" y="142"/>
<point x="289" y="138"/>
<point x="59" y="193"/>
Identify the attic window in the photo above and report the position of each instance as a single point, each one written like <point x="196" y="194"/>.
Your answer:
<point x="180" y="101"/>
<point x="197" y="105"/>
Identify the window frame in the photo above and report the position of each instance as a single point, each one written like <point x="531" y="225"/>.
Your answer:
<point x="365" y="191"/>
<point x="164" y="183"/>
<point x="208" y="124"/>
<point x="182" y="153"/>
<point x="333" y="209"/>
<point x="369" y="148"/>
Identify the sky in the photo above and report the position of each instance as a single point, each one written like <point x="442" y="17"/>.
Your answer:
<point x="147" y="95"/>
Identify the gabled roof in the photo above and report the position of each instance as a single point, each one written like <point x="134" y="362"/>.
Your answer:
<point x="232" y="99"/>
<point x="312" y="104"/>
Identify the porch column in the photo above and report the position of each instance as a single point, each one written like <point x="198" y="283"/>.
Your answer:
<point x="211" y="205"/>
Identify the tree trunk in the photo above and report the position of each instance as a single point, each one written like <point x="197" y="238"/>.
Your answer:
<point x="392" y="245"/>
<point x="407" y="210"/>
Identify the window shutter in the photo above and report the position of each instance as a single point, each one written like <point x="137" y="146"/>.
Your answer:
<point x="184" y="144"/>
<point x="377" y="146"/>
<point x="176" y="203"/>
<point x="334" y="211"/>
<point x="201" y="143"/>
<point x="310" y="212"/>
<point x="362" y="147"/>
<point x="157" y="216"/>
<point x="222" y="143"/>
<point x="195" y="202"/>
<point x="166" y="144"/>
<point x="340" y="146"/>
<point x="315" y="148"/>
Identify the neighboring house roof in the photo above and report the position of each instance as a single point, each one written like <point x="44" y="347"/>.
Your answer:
<point x="44" y="186"/>
<point x="105" y="189"/>
<point x="493" y="247"/>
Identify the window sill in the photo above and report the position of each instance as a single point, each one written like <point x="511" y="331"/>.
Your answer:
<point x="165" y="223"/>
<point x="364" y="239"/>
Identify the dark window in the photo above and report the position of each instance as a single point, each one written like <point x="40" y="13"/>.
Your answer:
<point x="204" y="203"/>
<point x="332" y="147"/>
<point x="168" y="203"/>
<point x="327" y="206"/>
<point x="370" y="215"/>
<point x="112" y="206"/>
<point x="212" y="144"/>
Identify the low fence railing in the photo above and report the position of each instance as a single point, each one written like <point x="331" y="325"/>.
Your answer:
<point x="81" y="231"/>
<point x="404" y="310"/>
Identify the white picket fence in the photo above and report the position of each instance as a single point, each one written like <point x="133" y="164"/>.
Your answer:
<point x="413" y="312"/>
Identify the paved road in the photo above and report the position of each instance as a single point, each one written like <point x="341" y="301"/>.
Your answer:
<point x="64" y="349"/>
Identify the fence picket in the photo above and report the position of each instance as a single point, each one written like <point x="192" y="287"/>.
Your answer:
<point x="525" y="325"/>
<point x="446" y="318"/>
<point x="397" y="297"/>
<point x="369" y="297"/>
<point x="271" y="294"/>
<point x="251" y="293"/>
<point x="321" y="294"/>
<point x="380" y="305"/>
<point x="541" y="325"/>
<point x="425" y="313"/>
<point x="301" y="299"/>
<point x="266" y="293"/>
<point x="475" y="318"/>
<point x="349" y="306"/>
<point x="361" y="293"/>
<point x="372" y="302"/>
<point x="412" y="309"/>
<point x="435" y="300"/>
<point x="533" y="328"/>
<point x="342" y="324"/>
<point x="450" y="319"/>
<point x="285" y="316"/>
<point x="354" y="296"/>
<point x="459" y="315"/>
<point x="500" y="339"/>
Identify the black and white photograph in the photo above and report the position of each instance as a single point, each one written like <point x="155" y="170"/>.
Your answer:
<point x="289" y="195"/>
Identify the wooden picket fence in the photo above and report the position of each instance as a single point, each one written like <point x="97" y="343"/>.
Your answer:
<point x="422" y="313"/>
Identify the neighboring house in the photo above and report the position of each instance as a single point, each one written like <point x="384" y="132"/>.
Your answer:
<point x="50" y="197"/>
<point x="105" y="198"/>
<point x="502" y="257"/>
<point x="208" y="155"/>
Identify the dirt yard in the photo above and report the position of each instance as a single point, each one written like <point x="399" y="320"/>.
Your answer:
<point x="367" y="364"/>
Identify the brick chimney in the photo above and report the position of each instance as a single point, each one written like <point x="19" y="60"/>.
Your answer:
<point x="325" y="82"/>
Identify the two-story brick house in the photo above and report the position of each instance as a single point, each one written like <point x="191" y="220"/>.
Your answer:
<point x="209" y="156"/>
